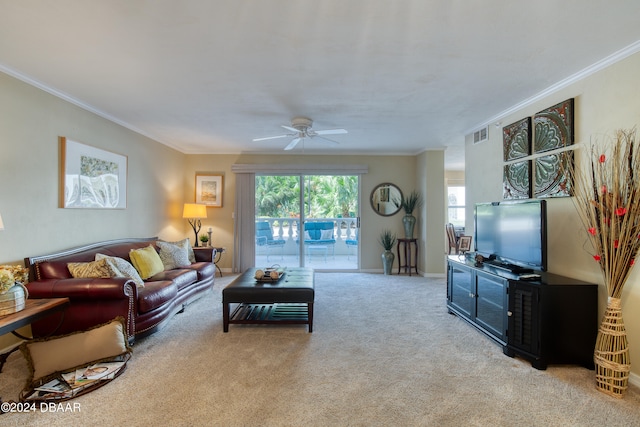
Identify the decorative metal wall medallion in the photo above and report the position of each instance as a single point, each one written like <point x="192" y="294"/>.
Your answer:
<point x="516" y="139"/>
<point x="554" y="127"/>
<point x="551" y="175"/>
<point x="517" y="180"/>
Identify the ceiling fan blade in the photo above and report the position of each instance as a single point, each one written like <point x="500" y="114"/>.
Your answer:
<point x="269" y="137"/>
<point x="327" y="139"/>
<point x="293" y="144"/>
<point x="291" y="129"/>
<point x="331" y="132"/>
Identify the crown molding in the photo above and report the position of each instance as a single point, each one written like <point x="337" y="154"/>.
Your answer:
<point x="574" y="78"/>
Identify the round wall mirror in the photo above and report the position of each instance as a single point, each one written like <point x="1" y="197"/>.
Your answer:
<point x="382" y="198"/>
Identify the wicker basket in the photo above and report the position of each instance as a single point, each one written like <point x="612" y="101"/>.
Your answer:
<point x="13" y="300"/>
<point x="611" y="355"/>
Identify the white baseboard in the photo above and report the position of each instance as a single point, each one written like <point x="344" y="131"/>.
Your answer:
<point x="9" y="348"/>
<point x="634" y="379"/>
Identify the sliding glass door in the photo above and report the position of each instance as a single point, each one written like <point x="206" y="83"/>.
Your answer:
<point x="307" y="220"/>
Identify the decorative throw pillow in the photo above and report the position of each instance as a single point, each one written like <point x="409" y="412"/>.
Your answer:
<point x="49" y="355"/>
<point x="326" y="234"/>
<point x="120" y="267"/>
<point x="146" y="261"/>
<point x="187" y="243"/>
<point x="174" y="255"/>
<point x="307" y="236"/>
<point x="94" y="269"/>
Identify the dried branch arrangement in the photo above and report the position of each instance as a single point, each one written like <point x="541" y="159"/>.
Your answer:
<point x="607" y="198"/>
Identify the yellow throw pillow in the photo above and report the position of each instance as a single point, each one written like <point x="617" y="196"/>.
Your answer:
<point x="146" y="261"/>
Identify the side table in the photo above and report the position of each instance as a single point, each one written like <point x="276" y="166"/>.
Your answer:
<point x="217" y="257"/>
<point x="407" y="244"/>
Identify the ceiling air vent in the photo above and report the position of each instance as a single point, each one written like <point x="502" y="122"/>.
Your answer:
<point x="481" y="135"/>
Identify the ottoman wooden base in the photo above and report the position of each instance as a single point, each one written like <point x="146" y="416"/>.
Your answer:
<point x="287" y="301"/>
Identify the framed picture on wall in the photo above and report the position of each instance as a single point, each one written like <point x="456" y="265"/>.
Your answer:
<point x="91" y="178"/>
<point x="209" y="190"/>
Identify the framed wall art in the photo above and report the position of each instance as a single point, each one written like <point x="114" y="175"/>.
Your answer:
<point x="516" y="139"/>
<point x="209" y="190"/>
<point x="551" y="175"/>
<point x="90" y="177"/>
<point x="554" y="127"/>
<point x="517" y="180"/>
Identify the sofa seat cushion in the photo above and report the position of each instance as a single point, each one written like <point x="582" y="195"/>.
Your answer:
<point x="204" y="269"/>
<point x="156" y="294"/>
<point x="181" y="277"/>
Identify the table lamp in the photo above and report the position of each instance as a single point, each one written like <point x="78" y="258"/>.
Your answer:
<point x="193" y="212"/>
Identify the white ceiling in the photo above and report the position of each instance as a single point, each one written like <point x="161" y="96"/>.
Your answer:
<point x="402" y="76"/>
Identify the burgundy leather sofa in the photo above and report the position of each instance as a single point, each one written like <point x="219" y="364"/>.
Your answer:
<point x="94" y="301"/>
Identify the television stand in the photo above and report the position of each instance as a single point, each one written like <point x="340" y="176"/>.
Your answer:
<point x="552" y="319"/>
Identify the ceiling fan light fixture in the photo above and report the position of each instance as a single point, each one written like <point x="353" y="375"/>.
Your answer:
<point x="300" y="129"/>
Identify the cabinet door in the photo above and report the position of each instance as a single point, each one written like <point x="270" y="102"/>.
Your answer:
<point x="523" y="318"/>
<point x="491" y="301"/>
<point x="461" y="289"/>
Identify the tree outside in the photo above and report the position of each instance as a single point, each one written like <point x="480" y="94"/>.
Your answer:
<point x="325" y="196"/>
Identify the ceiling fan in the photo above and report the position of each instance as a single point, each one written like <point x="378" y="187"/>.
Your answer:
<point x="300" y="129"/>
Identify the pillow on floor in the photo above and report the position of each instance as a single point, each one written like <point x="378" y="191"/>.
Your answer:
<point x="95" y="269"/>
<point x="58" y="354"/>
<point x="174" y="255"/>
<point x="120" y="267"/>
<point x="146" y="261"/>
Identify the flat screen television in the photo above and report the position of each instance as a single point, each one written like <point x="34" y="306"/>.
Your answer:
<point x="512" y="232"/>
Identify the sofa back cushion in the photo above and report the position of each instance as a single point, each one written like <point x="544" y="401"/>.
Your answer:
<point x="54" y="266"/>
<point x="52" y="270"/>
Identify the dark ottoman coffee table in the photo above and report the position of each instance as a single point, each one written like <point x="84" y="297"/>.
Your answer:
<point x="288" y="300"/>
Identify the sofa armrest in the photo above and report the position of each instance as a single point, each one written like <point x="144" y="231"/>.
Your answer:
<point x="92" y="302"/>
<point x="204" y="254"/>
<point x="83" y="288"/>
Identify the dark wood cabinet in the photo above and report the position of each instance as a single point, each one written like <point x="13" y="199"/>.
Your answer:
<point x="480" y="298"/>
<point x="552" y="320"/>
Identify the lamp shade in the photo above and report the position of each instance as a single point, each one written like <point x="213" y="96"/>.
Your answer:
<point x="194" y="210"/>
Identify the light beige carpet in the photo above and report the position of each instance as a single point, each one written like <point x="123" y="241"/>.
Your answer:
<point x="384" y="352"/>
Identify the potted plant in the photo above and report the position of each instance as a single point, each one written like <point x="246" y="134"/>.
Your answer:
<point x="13" y="294"/>
<point x="608" y="204"/>
<point x="387" y="240"/>
<point x="409" y="204"/>
<point x="204" y="239"/>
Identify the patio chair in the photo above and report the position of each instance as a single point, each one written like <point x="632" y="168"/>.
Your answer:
<point x="352" y="244"/>
<point x="264" y="238"/>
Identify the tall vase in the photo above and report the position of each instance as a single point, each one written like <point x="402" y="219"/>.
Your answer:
<point x="409" y="222"/>
<point x="387" y="261"/>
<point x="611" y="354"/>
